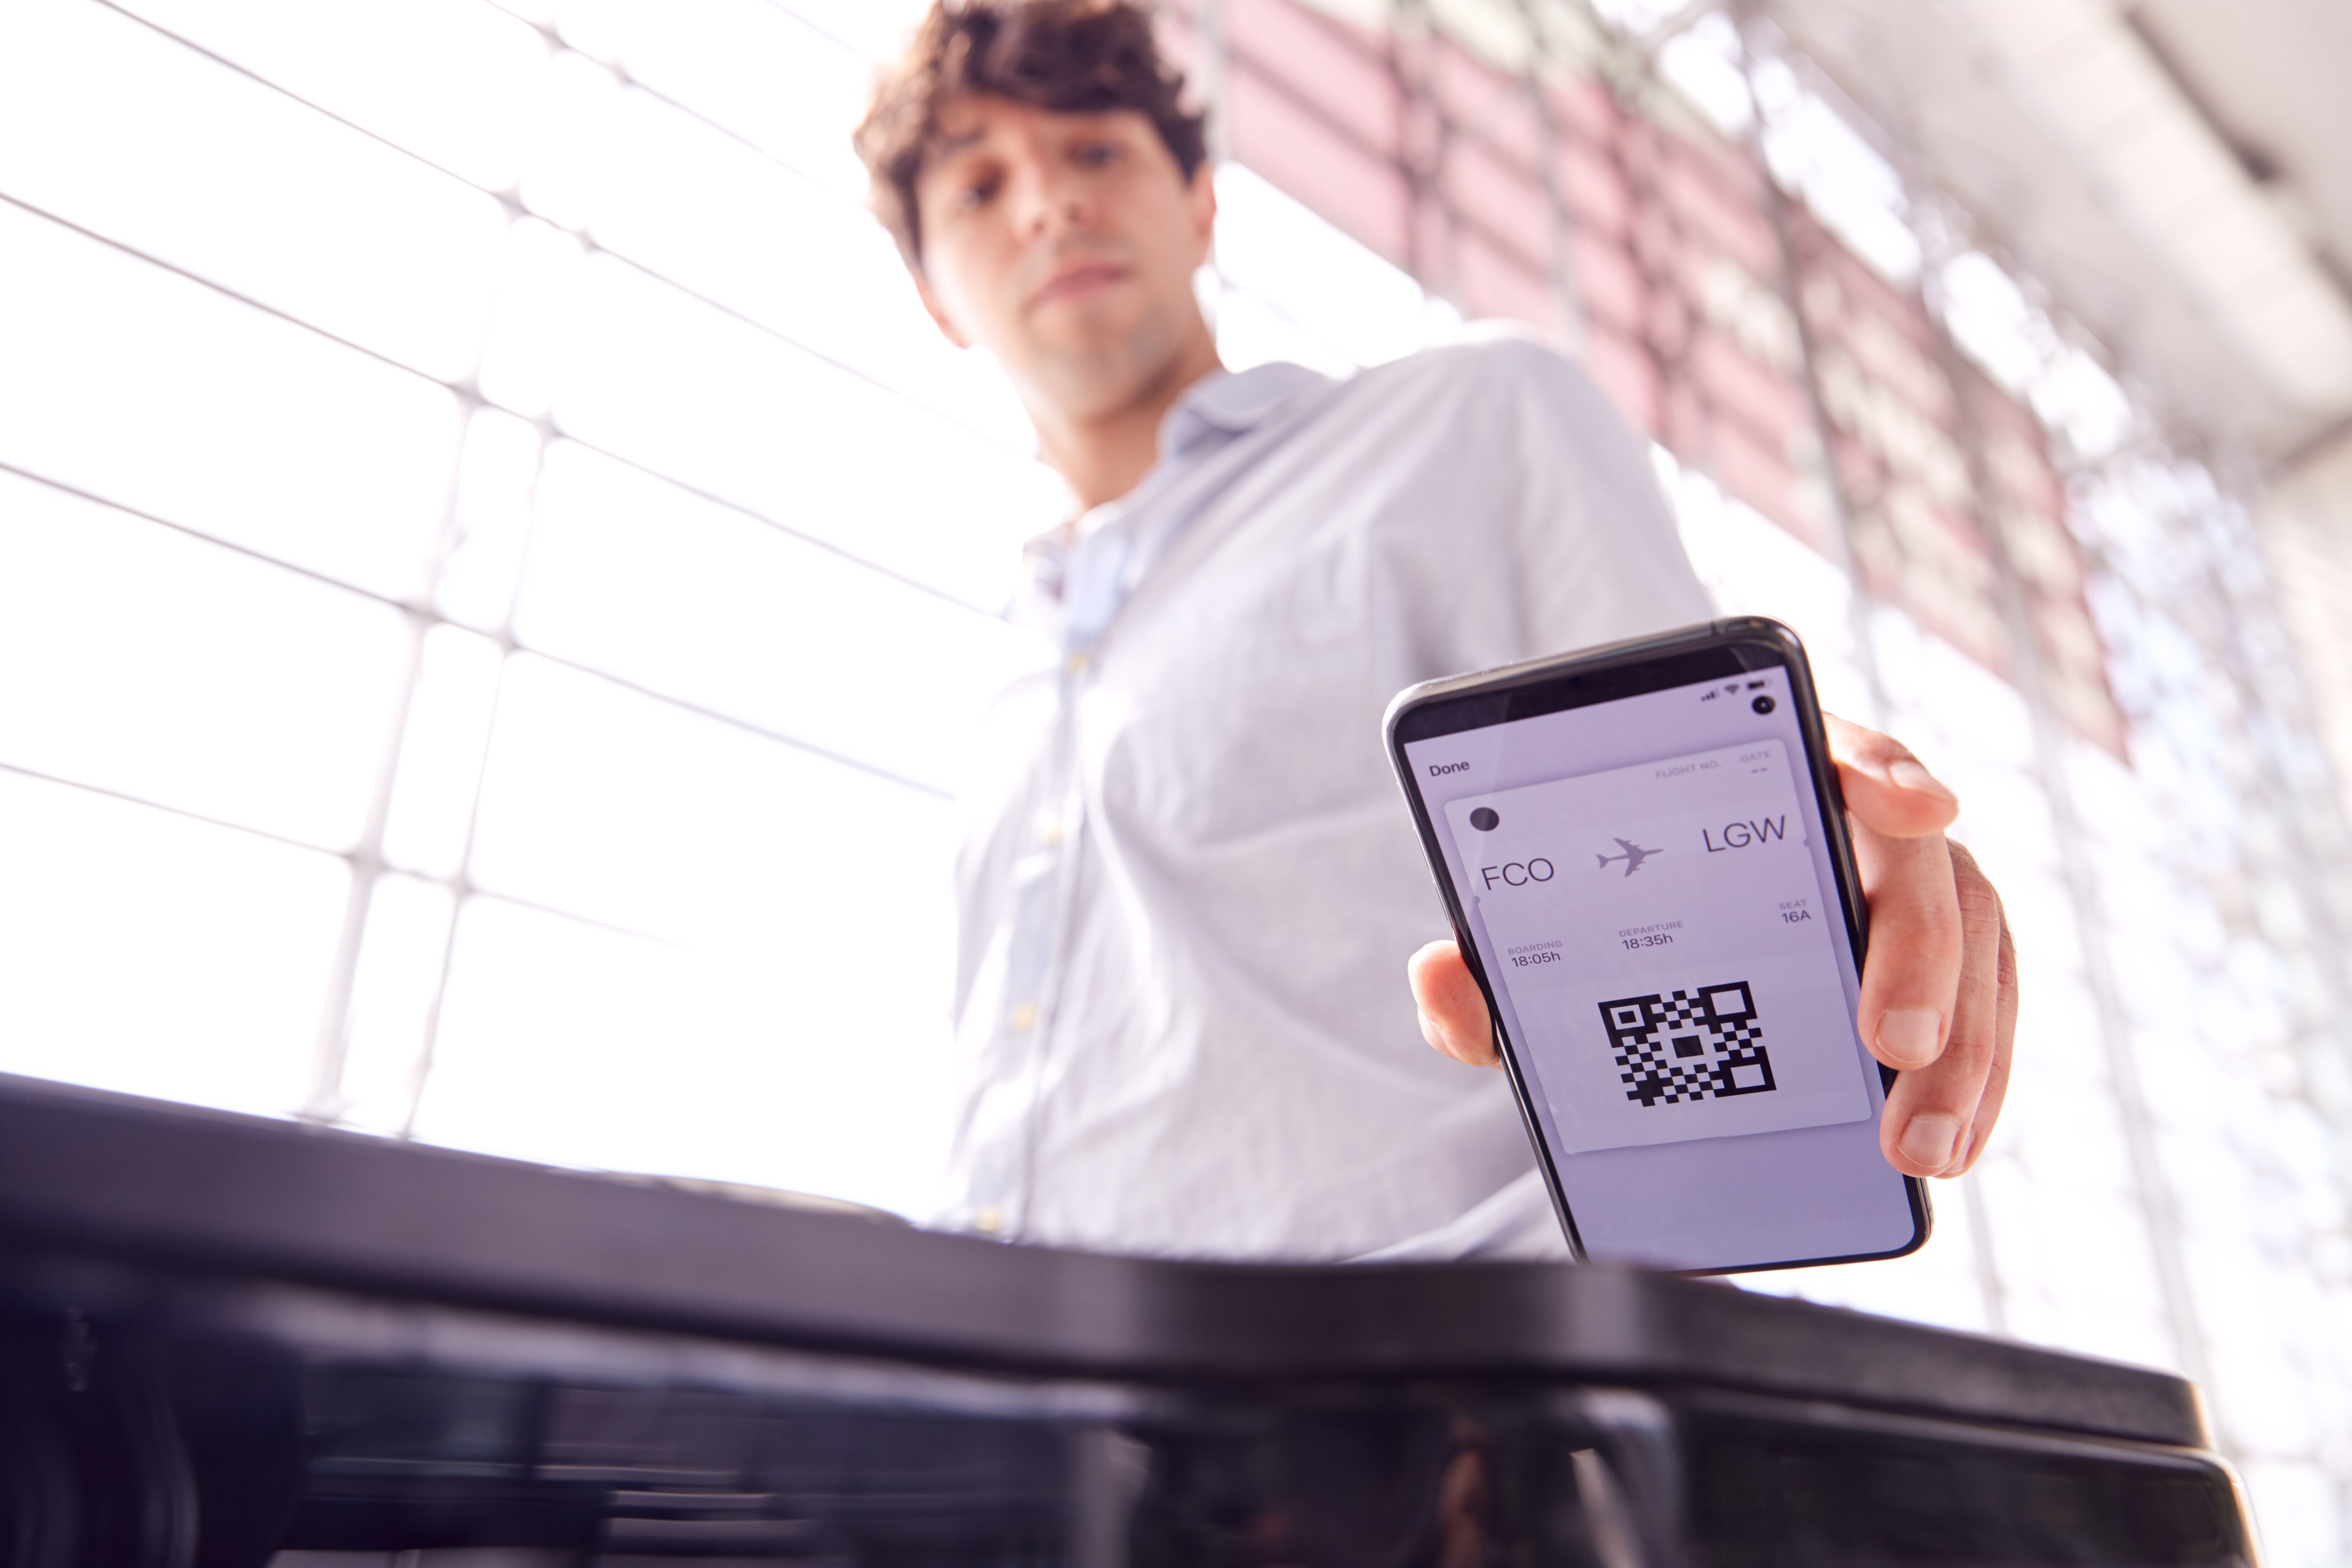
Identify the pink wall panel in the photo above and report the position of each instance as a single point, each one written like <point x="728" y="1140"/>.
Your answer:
<point x="1333" y="115"/>
<point x="1501" y="197"/>
<point x="1585" y="110"/>
<point x="1327" y="169"/>
<point x="1488" y="104"/>
<point x="1595" y="192"/>
<point x="1859" y="289"/>
<point x="1624" y="369"/>
<point x="1712" y="216"/>
<point x="1759" y="397"/>
<point x="1496" y="283"/>
<point x="1339" y="71"/>
<point x="1608" y="288"/>
<point x="1752" y="470"/>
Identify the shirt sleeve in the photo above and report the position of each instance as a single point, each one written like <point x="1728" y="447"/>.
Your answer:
<point x="1593" y="539"/>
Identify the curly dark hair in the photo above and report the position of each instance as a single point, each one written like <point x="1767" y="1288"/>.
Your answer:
<point x="1076" y="57"/>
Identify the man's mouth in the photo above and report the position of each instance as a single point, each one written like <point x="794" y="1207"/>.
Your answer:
<point x="1076" y="281"/>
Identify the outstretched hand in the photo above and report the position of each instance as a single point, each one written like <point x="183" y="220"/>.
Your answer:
<point x="1938" y="988"/>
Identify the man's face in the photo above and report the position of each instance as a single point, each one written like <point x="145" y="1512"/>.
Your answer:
<point x="1065" y="244"/>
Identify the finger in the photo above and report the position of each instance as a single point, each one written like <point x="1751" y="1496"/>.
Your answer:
<point x="1931" y="1112"/>
<point x="1910" y="981"/>
<point x="1886" y="786"/>
<point x="1454" y="1015"/>
<point x="1996" y="1088"/>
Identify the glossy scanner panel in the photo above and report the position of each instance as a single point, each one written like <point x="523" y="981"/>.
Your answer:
<point x="227" y="1341"/>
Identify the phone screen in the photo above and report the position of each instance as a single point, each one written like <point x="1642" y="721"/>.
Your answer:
<point x="1654" y="902"/>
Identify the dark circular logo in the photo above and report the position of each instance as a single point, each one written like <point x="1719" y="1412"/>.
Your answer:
<point x="1484" y="820"/>
<point x="1763" y="705"/>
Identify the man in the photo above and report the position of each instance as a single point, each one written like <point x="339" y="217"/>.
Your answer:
<point x="1188" y="879"/>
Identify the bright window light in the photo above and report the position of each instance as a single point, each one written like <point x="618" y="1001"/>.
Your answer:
<point x="1988" y="317"/>
<point x="655" y="184"/>
<point x="1313" y="287"/>
<point x="1813" y="150"/>
<point x="1704" y="60"/>
<point x="396" y="991"/>
<point x="577" y="1045"/>
<point x="789" y="88"/>
<point x="2018" y="345"/>
<point x="143" y="660"/>
<point x="530" y="346"/>
<point x="160" y="394"/>
<point x="250" y="188"/>
<point x="636" y="577"/>
<point x="481" y="559"/>
<point x="152" y="953"/>
<point x="441" y="747"/>
<point x="686" y="389"/>
<point x="1639" y="17"/>
<point x="620" y="808"/>
<point x="451" y="80"/>
<point x="2078" y="399"/>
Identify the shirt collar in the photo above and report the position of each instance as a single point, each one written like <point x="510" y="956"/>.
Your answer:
<point x="1231" y="403"/>
<point x="1214" y="411"/>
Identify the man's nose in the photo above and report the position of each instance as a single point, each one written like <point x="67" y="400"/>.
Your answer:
<point x="1050" y="199"/>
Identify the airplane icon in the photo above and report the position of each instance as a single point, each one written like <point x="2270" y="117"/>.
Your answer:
<point x="1633" y="857"/>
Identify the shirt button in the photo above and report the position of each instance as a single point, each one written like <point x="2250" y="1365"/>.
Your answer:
<point x="988" y="1220"/>
<point x="1049" y="829"/>
<point x="1023" y="1017"/>
<point x="1076" y="663"/>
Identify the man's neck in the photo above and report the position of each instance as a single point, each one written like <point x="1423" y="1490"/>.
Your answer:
<point x="1102" y="457"/>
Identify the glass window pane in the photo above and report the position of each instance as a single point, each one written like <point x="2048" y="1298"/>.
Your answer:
<point x="622" y="808"/>
<point x="451" y="80"/>
<point x="634" y="576"/>
<point x="162" y="395"/>
<point x="441" y="748"/>
<point x="693" y="394"/>
<point x="150" y="954"/>
<point x="1251" y="331"/>
<point x="144" y="660"/>
<point x="394" y="988"/>
<point x="110" y="125"/>
<point x="562" y="1043"/>
<point x="875" y="28"/>
<point x="534" y="325"/>
<point x="672" y="193"/>
<point x="476" y="584"/>
<point x="1338" y="290"/>
<point x="749" y="66"/>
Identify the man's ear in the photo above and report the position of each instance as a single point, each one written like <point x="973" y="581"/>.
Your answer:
<point x="939" y="318"/>
<point x="1201" y="198"/>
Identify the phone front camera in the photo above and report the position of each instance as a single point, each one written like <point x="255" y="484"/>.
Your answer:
<point x="1484" y="820"/>
<point x="1762" y="705"/>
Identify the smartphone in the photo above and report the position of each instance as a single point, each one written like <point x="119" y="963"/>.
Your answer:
<point x="1644" y="853"/>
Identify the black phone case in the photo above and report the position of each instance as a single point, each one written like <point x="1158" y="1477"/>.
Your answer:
<point x="1779" y="646"/>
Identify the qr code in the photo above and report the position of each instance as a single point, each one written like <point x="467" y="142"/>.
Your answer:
<point x="1701" y="1044"/>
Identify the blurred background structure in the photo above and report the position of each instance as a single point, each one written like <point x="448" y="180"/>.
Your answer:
<point x="494" y="564"/>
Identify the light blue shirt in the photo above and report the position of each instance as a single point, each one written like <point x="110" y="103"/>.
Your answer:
<point x="1189" y="884"/>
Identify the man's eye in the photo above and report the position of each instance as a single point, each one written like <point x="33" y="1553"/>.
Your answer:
<point x="978" y="194"/>
<point x="1098" y="155"/>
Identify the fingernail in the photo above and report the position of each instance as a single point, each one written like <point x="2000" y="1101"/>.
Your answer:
<point x="1910" y="776"/>
<point x="1930" y="1140"/>
<point x="1429" y="1032"/>
<point x="1907" y="1037"/>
